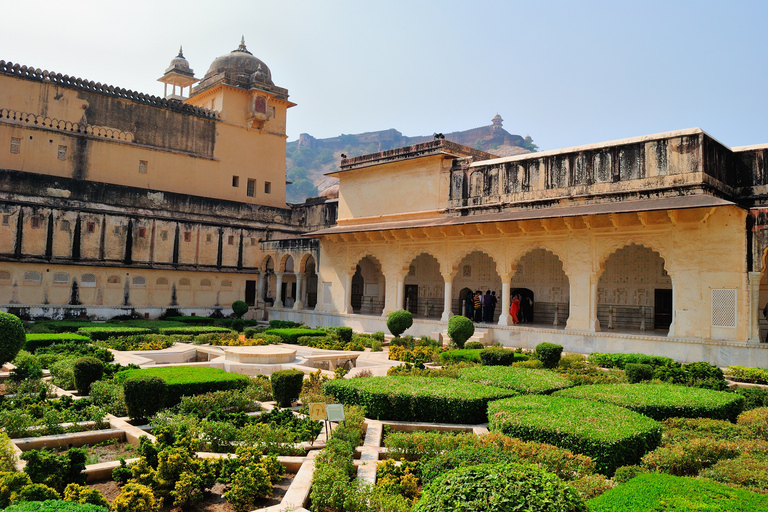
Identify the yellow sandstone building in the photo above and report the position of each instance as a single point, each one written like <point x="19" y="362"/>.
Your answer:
<point x="115" y="202"/>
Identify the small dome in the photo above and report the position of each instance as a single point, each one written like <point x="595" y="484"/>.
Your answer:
<point x="331" y="192"/>
<point x="497" y="120"/>
<point x="239" y="62"/>
<point x="180" y="64"/>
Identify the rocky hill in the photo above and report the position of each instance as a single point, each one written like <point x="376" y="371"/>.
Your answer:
<point x="309" y="159"/>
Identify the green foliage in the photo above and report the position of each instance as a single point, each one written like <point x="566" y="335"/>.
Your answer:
<point x="685" y="429"/>
<point x="660" y="401"/>
<point x="474" y="345"/>
<point x="189" y="380"/>
<point x="417" y="398"/>
<point x="54" y="506"/>
<point x="344" y="334"/>
<point x="36" y="492"/>
<point x="748" y="470"/>
<point x="144" y="395"/>
<point x="747" y="374"/>
<point x="460" y="329"/>
<point x="638" y="372"/>
<point x="28" y="367"/>
<point x="10" y="484"/>
<point x="135" y="498"/>
<point x="499" y="488"/>
<point x="35" y="341"/>
<point x="612" y="436"/>
<point x="417" y="355"/>
<point x="87" y="370"/>
<point x="193" y="330"/>
<point x="55" y="471"/>
<point x="549" y="354"/>
<point x="239" y="308"/>
<point x="464" y="355"/>
<point x="12" y="337"/>
<point x="753" y="396"/>
<point x="688" y="458"/>
<point x="656" y="491"/>
<point x="103" y="333"/>
<point x="522" y="380"/>
<point x="248" y="484"/>
<point x="231" y="400"/>
<point x="81" y="494"/>
<point x="500" y="356"/>
<point x="620" y="360"/>
<point x="75" y="349"/>
<point x="426" y="444"/>
<point x="197" y="320"/>
<point x="399" y="321"/>
<point x="284" y="324"/>
<point x="7" y="453"/>
<point x="109" y="394"/>
<point x="756" y="420"/>
<point x="286" y="386"/>
<point x="292" y="335"/>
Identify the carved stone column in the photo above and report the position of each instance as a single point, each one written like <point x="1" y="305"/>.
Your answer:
<point x="754" y="307"/>
<point x="448" y="293"/>
<point x="348" y="294"/>
<point x="504" y="318"/>
<point x="298" y="303"/>
<point x="279" y="290"/>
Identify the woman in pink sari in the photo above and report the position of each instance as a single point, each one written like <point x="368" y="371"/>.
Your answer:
<point x="514" y="309"/>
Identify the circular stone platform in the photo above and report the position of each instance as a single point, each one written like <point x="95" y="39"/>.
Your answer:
<point x="265" y="354"/>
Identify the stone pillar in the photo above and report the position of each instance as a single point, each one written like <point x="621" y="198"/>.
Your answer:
<point x="504" y="318"/>
<point x="754" y="307"/>
<point x="298" y="302"/>
<point x="447" y="294"/>
<point x="348" y="294"/>
<point x="594" y="323"/>
<point x="400" y="292"/>
<point x="260" y="289"/>
<point x="279" y="290"/>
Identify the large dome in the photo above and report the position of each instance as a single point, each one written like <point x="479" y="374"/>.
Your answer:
<point x="239" y="62"/>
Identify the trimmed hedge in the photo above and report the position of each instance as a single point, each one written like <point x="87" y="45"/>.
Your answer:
<point x="747" y="374"/>
<point x="103" y="333"/>
<point x="54" y="506"/>
<point x="439" y="400"/>
<point x="460" y="329"/>
<point x="292" y="335"/>
<point x="652" y="492"/>
<point x="464" y="355"/>
<point x="69" y="325"/>
<point x="638" y="372"/>
<point x="36" y="341"/>
<point x="189" y="380"/>
<point x="399" y="321"/>
<point x="662" y="401"/>
<point x="202" y="329"/>
<point x="197" y="320"/>
<point x="611" y="435"/>
<point x="284" y="324"/>
<point x="145" y="395"/>
<point x="522" y="380"/>
<point x="286" y="386"/>
<point x="87" y="370"/>
<point x="342" y="333"/>
<point x="12" y="337"/>
<point x="500" y="356"/>
<point x="621" y="360"/>
<point x="549" y="354"/>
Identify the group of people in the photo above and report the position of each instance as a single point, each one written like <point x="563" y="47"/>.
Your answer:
<point x="479" y="307"/>
<point x="521" y="309"/>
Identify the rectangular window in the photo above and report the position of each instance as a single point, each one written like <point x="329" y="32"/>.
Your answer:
<point x="235" y="181"/>
<point x="6" y="220"/>
<point x="231" y="240"/>
<point x="142" y="232"/>
<point x="62" y="153"/>
<point x="267" y="187"/>
<point x="15" y="145"/>
<point x="142" y="167"/>
<point x="209" y="238"/>
<point x="253" y="241"/>
<point x="251" y="188"/>
<point x="64" y="226"/>
<point x="723" y="308"/>
<point x="117" y="230"/>
<point x="164" y="235"/>
<point x="35" y="222"/>
<point x="187" y="236"/>
<point x="91" y="227"/>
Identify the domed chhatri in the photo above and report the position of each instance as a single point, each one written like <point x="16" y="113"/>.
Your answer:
<point x="180" y="65"/>
<point x="240" y="63"/>
<point x="180" y="75"/>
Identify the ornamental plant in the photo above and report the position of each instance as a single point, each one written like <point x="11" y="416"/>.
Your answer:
<point x="144" y="395"/>
<point x="135" y="498"/>
<point x="87" y="370"/>
<point x="637" y="372"/>
<point x="54" y="506"/>
<point x="522" y="380"/>
<point x="239" y="308"/>
<point x="12" y="337"/>
<point x="549" y="354"/>
<point x="286" y="386"/>
<point x="399" y="321"/>
<point x="460" y="329"/>
<point x="499" y="356"/>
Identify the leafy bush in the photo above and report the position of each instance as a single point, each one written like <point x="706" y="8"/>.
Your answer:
<point x="747" y="374"/>
<point x="426" y="444"/>
<point x="399" y="321"/>
<point x="474" y="345"/>
<point x="522" y="380"/>
<point x="55" y="471"/>
<point x="417" y="399"/>
<point x="620" y="360"/>
<point x="611" y="435"/>
<point x="193" y="330"/>
<point x="460" y="329"/>
<point x="417" y="355"/>
<point x="12" y="337"/>
<point x="753" y="396"/>
<point x="343" y="334"/>
<point x="54" y="506"/>
<point x="756" y="420"/>
<point x="81" y="494"/>
<point x="286" y="386"/>
<point x="76" y="349"/>
<point x="748" y="470"/>
<point x="248" y="484"/>
<point x="465" y="355"/>
<point x="660" y="401"/>
<point x="685" y="429"/>
<point x="197" y="320"/>
<point x="189" y="380"/>
<point x="688" y="458"/>
<point x="109" y="394"/>
<point x="35" y="341"/>
<point x="87" y="370"/>
<point x="7" y="454"/>
<point x="103" y="333"/>
<point x="652" y="492"/>
<point x="499" y="356"/>
<point x="36" y="492"/>
<point x="135" y="498"/>
<point x="239" y="308"/>
<point x="499" y="488"/>
<point x="284" y="324"/>
<point x="28" y="367"/>
<point x="638" y="372"/>
<point x="144" y="395"/>
<point x="292" y="335"/>
<point x="549" y="354"/>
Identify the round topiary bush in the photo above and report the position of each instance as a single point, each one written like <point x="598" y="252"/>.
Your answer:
<point x="144" y="395"/>
<point x="286" y="386"/>
<point x="239" y="308"/>
<point x="549" y="354"/>
<point x="87" y="371"/>
<point x="399" y="321"/>
<point x="135" y="498"/>
<point x="473" y="345"/>
<point x="638" y="372"/>
<point x="12" y="337"/>
<point x="499" y="488"/>
<point x="460" y="329"/>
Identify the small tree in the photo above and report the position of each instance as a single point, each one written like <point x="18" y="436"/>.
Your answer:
<point x="399" y="321"/>
<point x="460" y="329"/>
<point x="549" y="354"/>
<point x="239" y="308"/>
<point x="12" y="337"/>
<point x="87" y="371"/>
<point x="144" y="395"/>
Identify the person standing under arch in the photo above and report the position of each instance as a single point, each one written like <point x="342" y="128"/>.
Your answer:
<point x="514" y="309"/>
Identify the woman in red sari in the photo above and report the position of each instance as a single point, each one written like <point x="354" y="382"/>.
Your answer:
<point x="514" y="309"/>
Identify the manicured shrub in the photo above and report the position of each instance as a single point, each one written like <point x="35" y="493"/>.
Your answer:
<point x="87" y="370"/>
<point x="193" y="330"/>
<point x="460" y="329"/>
<point x="238" y="325"/>
<point x="688" y="458"/>
<point x="756" y="420"/>
<point x="145" y="395"/>
<point x="627" y="473"/>
<point x="36" y="341"/>
<point x="292" y="335"/>
<point x="499" y="356"/>
<point x="284" y="324"/>
<point x="522" y="380"/>
<point x="499" y="488"/>
<point x="747" y="374"/>
<point x="28" y="367"/>
<point x="399" y="321"/>
<point x="12" y="337"/>
<point x="103" y="333"/>
<point x="196" y="320"/>
<point x="474" y="345"/>
<point x="620" y="360"/>
<point x="286" y="386"/>
<point x="748" y="470"/>
<point x="239" y="308"/>
<point x="652" y="492"/>
<point x="549" y="354"/>
<point x="685" y="429"/>
<point x="135" y="498"/>
<point x="189" y="380"/>
<point x="54" y="506"/>
<point x="252" y="332"/>
<point x="611" y="435"/>
<point x="417" y="398"/>
<point x="465" y="355"/>
<point x="661" y="401"/>
<point x="7" y="453"/>
<point x="81" y="494"/>
<point x="36" y="492"/>
<point x="638" y="372"/>
<point x="55" y="471"/>
<point x="753" y="396"/>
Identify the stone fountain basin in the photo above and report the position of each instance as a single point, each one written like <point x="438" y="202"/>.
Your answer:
<point x="265" y="354"/>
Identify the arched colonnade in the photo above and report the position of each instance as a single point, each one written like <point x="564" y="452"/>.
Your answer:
<point x="288" y="282"/>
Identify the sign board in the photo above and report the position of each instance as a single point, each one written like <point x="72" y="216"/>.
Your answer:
<point x="335" y="412"/>
<point x="317" y="411"/>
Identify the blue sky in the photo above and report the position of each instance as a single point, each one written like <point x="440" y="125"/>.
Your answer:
<point x="567" y="73"/>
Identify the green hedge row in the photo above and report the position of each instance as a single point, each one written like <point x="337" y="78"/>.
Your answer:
<point x="439" y="400"/>
<point x="651" y="492"/>
<point x="611" y="435"/>
<point x="189" y="380"/>
<point x="662" y="401"/>
<point x="196" y="320"/>
<point x="103" y="333"/>
<point x="292" y="335"/>
<point x="463" y="355"/>
<point x="201" y="329"/>
<point x="36" y="341"/>
<point x="522" y="380"/>
<point x="54" y="506"/>
<point x="620" y="360"/>
<point x="747" y="374"/>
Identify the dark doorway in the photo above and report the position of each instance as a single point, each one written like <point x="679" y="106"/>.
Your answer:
<point x="250" y="293"/>
<point x="663" y="309"/>
<point x="358" y="285"/>
<point x="411" y="298"/>
<point x="527" y="303"/>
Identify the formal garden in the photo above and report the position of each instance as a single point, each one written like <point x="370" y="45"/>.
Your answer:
<point x="452" y="425"/>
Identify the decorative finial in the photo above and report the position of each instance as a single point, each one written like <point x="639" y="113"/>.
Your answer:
<point x="181" y="52"/>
